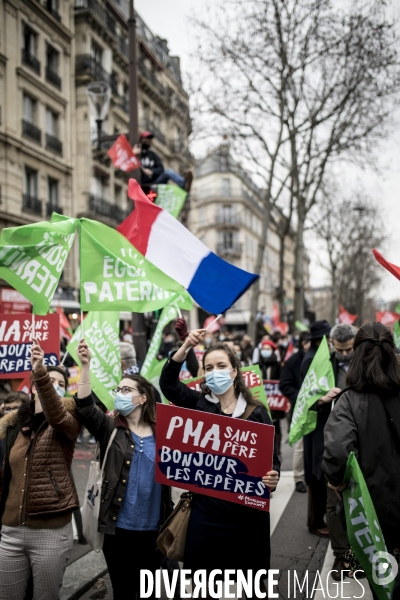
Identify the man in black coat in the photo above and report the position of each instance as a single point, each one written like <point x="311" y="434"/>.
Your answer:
<point x="289" y="385"/>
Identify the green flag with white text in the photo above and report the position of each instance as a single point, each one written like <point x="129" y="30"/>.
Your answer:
<point x="364" y="532"/>
<point x="169" y="313"/>
<point x="318" y="381"/>
<point x="153" y="375"/>
<point x="300" y="326"/>
<point x="101" y="333"/>
<point x="396" y="334"/>
<point x="32" y="258"/>
<point x="171" y="198"/>
<point x="115" y="276"/>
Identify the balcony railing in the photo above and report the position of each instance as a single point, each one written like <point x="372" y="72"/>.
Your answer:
<point x="30" y="60"/>
<point x="99" y="13"/>
<point x="87" y="65"/>
<point x="29" y="130"/>
<point x="226" y="220"/>
<point x="53" y="11"/>
<point x="53" y="77"/>
<point x="50" y="208"/>
<point x="123" y="47"/>
<point x="32" y="204"/>
<point x="106" y="209"/>
<point x="53" y="144"/>
<point x="231" y="251"/>
<point x="151" y="77"/>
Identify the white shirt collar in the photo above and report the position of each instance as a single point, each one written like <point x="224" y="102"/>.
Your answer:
<point x="239" y="408"/>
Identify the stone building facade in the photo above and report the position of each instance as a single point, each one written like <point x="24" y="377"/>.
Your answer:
<point x="49" y="157"/>
<point x="226" y="214"/>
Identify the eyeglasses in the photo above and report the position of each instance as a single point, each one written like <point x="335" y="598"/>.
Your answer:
<point x="124" y="390"/>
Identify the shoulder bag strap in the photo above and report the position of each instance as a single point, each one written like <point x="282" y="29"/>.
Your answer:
<point x="110" y="441"/>
<point x="249" y="409"/>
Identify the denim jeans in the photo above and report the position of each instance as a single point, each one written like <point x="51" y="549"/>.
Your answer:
<point x="169" y="174"/>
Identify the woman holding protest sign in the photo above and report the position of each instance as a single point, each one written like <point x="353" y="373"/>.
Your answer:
<point x="132" y="504"/>
<point x="366" y="420"/>
<point x="38" y="495"/>
<point x="222" y="534"/>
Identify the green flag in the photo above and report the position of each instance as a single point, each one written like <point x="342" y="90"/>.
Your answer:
<point x="115" y="276"/>
<point x="397" y="309"/>
<point x="168" y="314"/>
<point x="171" y="198"/>
<point x="32" y="258"/>
<point x="153" y="375"/>
<point x="318" y="381"/>
<point x="396" y="334"/>
<point x="101" y="332"/>
<point x="364" y="532"/>
<point x="300" y="326"/>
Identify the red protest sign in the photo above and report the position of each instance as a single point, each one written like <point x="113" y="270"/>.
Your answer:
<point x="122" y="155"/>
<point x="387" y="318"/>
<point x="276" y="400"/>
<point x="346" y="317"/>
<point x="15" y="343"/>
<point x="214" y="455"/>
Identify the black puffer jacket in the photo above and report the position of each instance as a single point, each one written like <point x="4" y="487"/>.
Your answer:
<point x="368" y="425"/>
<point x="119" y="459"/>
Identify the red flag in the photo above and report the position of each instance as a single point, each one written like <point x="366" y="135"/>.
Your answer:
<point x="25" y="385"/>
<point x="389" y="266"/>
<point x="276" y="319"/>
<point x="345" y="316"/>
<point x="214" y="327"/>
<point x="387" y="318"/>
<point x="65" y="325"/>
<point x="122" y="155"/>
<point x="289" y="350"/>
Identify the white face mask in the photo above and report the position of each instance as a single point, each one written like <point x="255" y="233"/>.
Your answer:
<point x="60" y="391"/>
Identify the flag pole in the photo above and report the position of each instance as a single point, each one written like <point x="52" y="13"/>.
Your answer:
<point x="64" y="357"/>
<point x="33" y="325"/>
<point x="212" y="322"/>
<point x="82" y="329"/>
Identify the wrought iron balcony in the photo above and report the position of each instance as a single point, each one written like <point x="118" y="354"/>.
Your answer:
<point x="29" y="130"/>
<point x="229" y="251"/>
<point x="32" y="204"/>
<point x="53" y="144"/>
<point x="50" y="208"/>
<point x="30" y="60"/>
<point x="97" y="11"/>
<point x="87" y="65"/>
<point x="151" y="77"/>
<point x="53" y="77"/>
<point x="106" y="209"/>
<point x="228" y="220"/>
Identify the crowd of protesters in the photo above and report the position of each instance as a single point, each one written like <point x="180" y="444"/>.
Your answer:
<point x="38" y="433"/>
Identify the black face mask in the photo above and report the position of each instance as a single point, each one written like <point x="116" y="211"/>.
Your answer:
<point x="344" y="358"/>
<point x="145" y="145"/>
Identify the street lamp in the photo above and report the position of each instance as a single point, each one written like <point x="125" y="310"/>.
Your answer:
<point x="99" y="96"/>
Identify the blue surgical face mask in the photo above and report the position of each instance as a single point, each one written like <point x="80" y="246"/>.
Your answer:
<point x="219" y="381"/>
<point x="60" y="391"/>
<point x="266" y="353"/>
<point x="123" y="403"/>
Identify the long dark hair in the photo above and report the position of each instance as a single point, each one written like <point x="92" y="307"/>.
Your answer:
<point x="149" y="407"/>
<point x="374" y="365"/>
<point x="238" y="382"/>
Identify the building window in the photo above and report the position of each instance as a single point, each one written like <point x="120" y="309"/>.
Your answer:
<point x="53" y="186"/>
<point x="226" y="187"/>
<point x="31" y="182"/>
<point x="52" y="66"/>
<point x="118" y="195"/>
<point x="97" y="53"/>
<point x="29" y="129"/>
<point x="29" y="49"/>
<point x="30" y="106"/>
<point x="52" y="132"/>
<point x="52" y="7"/>
<point x="100" y="187"/>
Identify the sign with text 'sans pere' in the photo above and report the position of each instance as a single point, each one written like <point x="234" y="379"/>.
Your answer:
<point x="16" y="343"/>
<point x="214" y="455"/>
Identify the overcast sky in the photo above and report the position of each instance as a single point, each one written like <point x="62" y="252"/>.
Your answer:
<point x="171" y="20"/>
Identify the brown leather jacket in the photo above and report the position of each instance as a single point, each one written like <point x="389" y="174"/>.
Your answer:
<point x="50" y="490"/>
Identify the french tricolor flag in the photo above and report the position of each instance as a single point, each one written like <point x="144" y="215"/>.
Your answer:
<point x="163" y="240"/>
